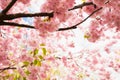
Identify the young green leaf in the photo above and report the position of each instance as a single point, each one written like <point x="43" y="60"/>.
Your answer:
<point x="27" y="72"/>
<point x="40" y="57"/>
<point x="26" y="63"/>
<point x="37" y="62"/>
<point x="42" y="44"/>
<point x="17" y="76"/>
<point x="24" y="78"/>
<point x="44" y="51"/>
<point x="36" y="52"/>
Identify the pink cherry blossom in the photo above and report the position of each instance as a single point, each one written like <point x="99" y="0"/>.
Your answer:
<point x="73" y="44"/>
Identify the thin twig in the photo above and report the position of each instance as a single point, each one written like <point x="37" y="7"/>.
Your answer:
<point x="82" y="5"/>
<point x="7" y="68"/>
<point x="12" y="68"/>
<point x="75" y="26"/>
<point x="16" y="24"/>
<point x="9" y="6"/>
<point x="67" y="28"/>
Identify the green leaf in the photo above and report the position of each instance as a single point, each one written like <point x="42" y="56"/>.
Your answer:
<point x="44" y="51"/>
<point x="37" y="62"/>
<point x="36" y="52"/>
<point x="40" y="57"/>
<point x="24" y="78"/>
<point x="42" y="44"/>
<point x="26" y="63"/>
<point x="17" y="76"/>
<point x="27" y="72"/>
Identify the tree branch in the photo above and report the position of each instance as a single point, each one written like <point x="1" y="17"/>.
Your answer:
<point x="16" y="24"/>
<point x="67" y="28"/>
<point x="9" y="6"/>
<point x="4" y="16"/>
<point x="82" y="5"/>
<point x="20" y="15"/>
<point x="7" y="68"/>
<point x="75" y="26"/>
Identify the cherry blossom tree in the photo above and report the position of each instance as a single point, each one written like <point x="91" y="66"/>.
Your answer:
<point x="63" y="40"/>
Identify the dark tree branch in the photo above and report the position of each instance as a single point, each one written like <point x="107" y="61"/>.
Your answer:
<point x="75" y="26"/>
<point x="82" y="5"/>
<point x="20" y="15"/>
<point x="89" y="16"/>
<point x="7" y="68"/>
<point x="16" y="24"/>
<point x="4" y="16"/>
<point x="67" y="28"/>
<point x="9" y="6"/>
